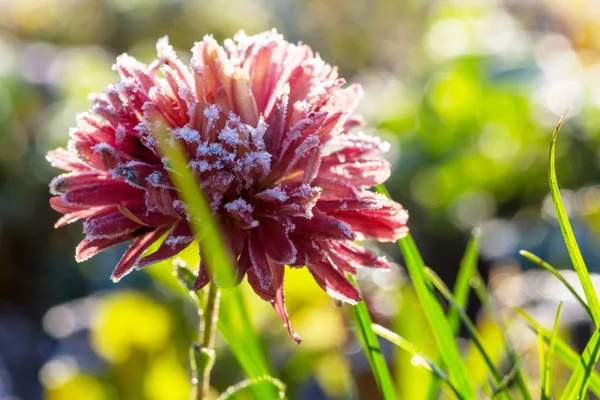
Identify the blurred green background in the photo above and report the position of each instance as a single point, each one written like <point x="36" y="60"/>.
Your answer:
<point x="467" y="92"/>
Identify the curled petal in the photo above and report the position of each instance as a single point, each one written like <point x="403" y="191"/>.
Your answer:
<point x="334" y="283"/>
<point x="133" y="253"/>
<point x="179" y="239"/>
<point x="260" y="265"/>
<point x="61" y="158"/>
<point x="90" y="247"/>
<point x="275" y="242"/>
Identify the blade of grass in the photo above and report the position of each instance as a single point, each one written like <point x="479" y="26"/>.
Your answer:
<point x="462" y="289"/>
<point x="569" y="236"/>
<point x="372" y="349"/>
<point x="543" y="264"/>
<point x="416" y="354"/>
<point x="548" y="364"/>
<point x="442" y="332"/>
<point x="508" y="378"/>
<point x="578" y="383"/>
<point x="464" y="318"/>
<point x="466" y="272"/>
<point x="243" y="339"/>
<point x="567" y="355"/>
<point x="482" y="293"/>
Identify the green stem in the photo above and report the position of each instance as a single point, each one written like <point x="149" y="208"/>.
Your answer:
<point x="206" y="352"/>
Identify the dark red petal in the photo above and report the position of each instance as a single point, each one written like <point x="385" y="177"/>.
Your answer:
<point x="109" y="225"/>
<point x="133" y="253"/>
<point x="90" y="247"/>
<point x="203" y="277"/>
<point x="334" y="283"/>
<point x="102" y="193"/>
<point x="179" y="238"/>
<point x="73" y="180"/>
<point x="275" y="242"/>
<point x="322" y="226"/>
<point x="243" y="265"/>
<point x="279" y="306"/>
<point x="358" y="256"/>
<point x="260" y="264"/>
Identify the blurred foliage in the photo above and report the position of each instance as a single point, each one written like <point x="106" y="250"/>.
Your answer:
<point x="466" y="91"/>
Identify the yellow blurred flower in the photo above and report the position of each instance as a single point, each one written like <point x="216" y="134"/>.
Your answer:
<point x="126" y="322"/>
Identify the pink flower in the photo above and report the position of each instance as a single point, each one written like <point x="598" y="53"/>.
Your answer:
<point x="267" y="128"/>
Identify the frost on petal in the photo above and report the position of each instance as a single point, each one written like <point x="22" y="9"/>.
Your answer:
<point x="260" y="264"/>
<point x="133" y="253"/>
<point x="203" y="278"/>
<point x="90" y="247"/>
<point x="358" y="256"/>
<point x="179" y="239"/>
<point x="276" y="194"/>
<point x="275" y="242"/>
<point x="279" y="306"/>
<point x="322" y="226"/>
<point x="334" y="283"/>
<point x="61" y="158"/>
<point x="385" y="221"/>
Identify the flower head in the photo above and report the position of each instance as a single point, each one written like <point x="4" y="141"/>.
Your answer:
<point x="267" y="127"/>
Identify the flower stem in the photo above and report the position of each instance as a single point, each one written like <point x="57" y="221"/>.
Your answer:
<point x="205" y="354"/>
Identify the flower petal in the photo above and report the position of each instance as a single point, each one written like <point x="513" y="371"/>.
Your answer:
<point x="90" y="247"/>
<point x="133" y="253"/>
<point x="260" y="264"/>
<point x="179" y="239"/>
<point x="334" y="283"/>
<point x="275" y="242"/>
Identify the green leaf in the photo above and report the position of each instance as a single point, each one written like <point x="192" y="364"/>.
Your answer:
<point x="462" y="287"/>
<point x="234" y="322"/>
<point x="508" y="378"/>
<point x="437" y="282"/>
<point x="568" y="356"/>
<point x="543" y="264"/>
<point x="486" y="300"/>
<point x="568" y="235"/>
<point x="372" y="349"/>
<point x="442" y="332"/>
<point x="546" y="373"/>
<point x="434" y="312"/>
<point x="419" y="359"/>
<point x="578" y="383"/>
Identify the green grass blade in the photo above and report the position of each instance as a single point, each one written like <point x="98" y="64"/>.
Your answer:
<point x="464" y="318"/>
<point x="442" y="332"/>
<point x="372" y="349"/>
<point x="568" y="235"/>
<point x="508" y="378"/>
<point x="567" y="355"/>
<point x="543" y="264"/>
<point x="578" y="383"/>
<point x="462" y="287"/>
<point x="434" y="312"/>
<point x="416" y="354"/>
<point x="234" y="322"/>
<point x="546" y="373"/>
<point x="484" y="296"/>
